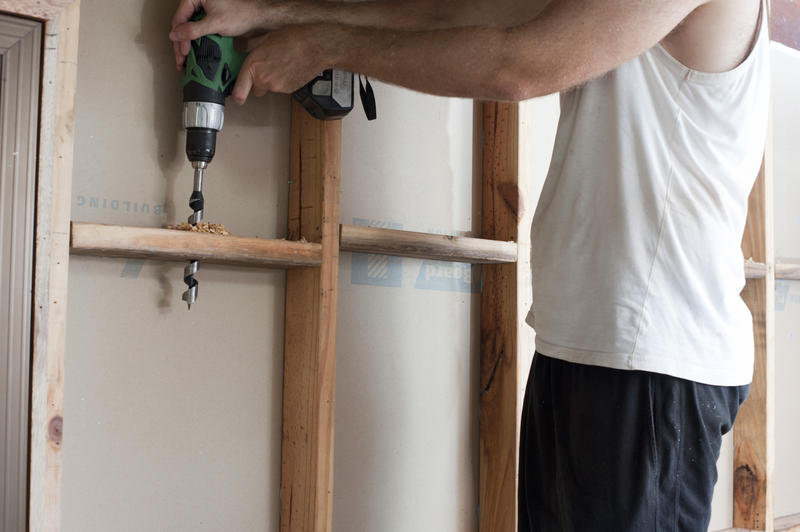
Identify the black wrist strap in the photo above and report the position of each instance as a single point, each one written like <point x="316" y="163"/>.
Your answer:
<point x="367" y="98"/>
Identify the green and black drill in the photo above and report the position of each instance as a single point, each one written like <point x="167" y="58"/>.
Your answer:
<point x="209" y="75"/>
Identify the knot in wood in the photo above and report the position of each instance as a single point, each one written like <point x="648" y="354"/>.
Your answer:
<point x="55" y="429"/>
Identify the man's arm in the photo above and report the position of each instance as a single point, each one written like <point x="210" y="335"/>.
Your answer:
<point x="571" y="41"/>
<point x="237" y="17"/>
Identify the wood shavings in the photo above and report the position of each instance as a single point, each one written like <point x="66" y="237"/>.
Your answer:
<point x="202" y="227"/>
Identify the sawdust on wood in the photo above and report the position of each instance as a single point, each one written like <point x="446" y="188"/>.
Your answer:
<point x="202" y="227"/>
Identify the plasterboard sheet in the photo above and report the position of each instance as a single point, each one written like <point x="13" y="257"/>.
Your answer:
<point x="407" y="347"/>
<point x="786" y="101"/>
<point x="172" y="418"/>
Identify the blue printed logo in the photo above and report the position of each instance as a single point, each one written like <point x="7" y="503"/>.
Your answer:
<point x="447" y="276"/>
<point x="781" y="294"/>
<point x="376" y="270"/>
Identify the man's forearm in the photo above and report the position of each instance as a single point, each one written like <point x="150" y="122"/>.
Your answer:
<point x="403" y="14"/>
<point x="407" y="14"/>
<point x="549" y="53"/>
<point x="474" y="62"/>
<point x="555" y="50"/>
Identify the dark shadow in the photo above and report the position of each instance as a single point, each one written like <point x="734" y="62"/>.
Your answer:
<point x="167" y="296"/>
<point x="167" y="102"/>
<point x="167" y="107"/>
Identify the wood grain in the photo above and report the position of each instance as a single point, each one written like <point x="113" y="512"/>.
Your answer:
<point x="360" y="239"/>
<point x="171" y="245"/>
<point x="59" y="73"/>
<point x="309" y="373"/>
<point x="754" y="431"/>
<point x="499" y="380"/>
<point x="38" y="9"/>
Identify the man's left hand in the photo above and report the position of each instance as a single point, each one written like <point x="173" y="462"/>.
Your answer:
<point x="284" y="60"/>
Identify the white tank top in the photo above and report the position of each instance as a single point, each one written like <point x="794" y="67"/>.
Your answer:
<point x="636" y="240"/>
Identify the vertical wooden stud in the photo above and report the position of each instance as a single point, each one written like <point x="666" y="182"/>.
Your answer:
<point x="499" y="380"/>
<point x="754" y="431"/>
<point x="54" y="184"/>
<point x="309" y="373"/>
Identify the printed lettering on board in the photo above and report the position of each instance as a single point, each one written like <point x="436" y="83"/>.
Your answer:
<point x="376" y="270"/>
<point x="447" y="276"/>
<point x="84" y="201"/>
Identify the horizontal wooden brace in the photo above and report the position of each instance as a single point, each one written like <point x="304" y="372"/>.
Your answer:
<point x="360" y="239"/>
<point x="787" y="272"/>
<point x="754" y="270"/>
<point x="783" y="271"/>
<point x="790" y="523"/>
<point x="172" y="245"/>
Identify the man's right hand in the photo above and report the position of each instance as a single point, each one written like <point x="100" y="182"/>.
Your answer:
<point x="225" y="17"/>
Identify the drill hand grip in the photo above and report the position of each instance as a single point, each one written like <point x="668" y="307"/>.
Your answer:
<point x="211" y="68"/>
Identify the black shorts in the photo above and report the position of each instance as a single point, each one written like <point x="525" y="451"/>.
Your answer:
<point x="614" y="450"/>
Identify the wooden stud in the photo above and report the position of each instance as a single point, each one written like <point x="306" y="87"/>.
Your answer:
<point x="360" y="239"/>
<point x="38" y="9"/>
<point x="165" y="244"/>
<point x="499" y="379"/>
<point x="754" y="431"/>
<point x="59" y="72"/>
<point x="309" y="372"/>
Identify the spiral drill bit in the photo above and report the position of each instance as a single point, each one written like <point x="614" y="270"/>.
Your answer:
<point x="196" y="203"/>
<point x="210" y="72"/>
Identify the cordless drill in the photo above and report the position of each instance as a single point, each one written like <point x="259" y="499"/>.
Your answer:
<point x="209" y="75"/>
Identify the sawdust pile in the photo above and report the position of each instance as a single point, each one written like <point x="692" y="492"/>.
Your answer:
<point x="202" y="227"/>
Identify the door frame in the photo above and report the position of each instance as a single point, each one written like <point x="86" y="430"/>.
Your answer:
<point x="20" y="60"/>
<point x="51" y="251"/>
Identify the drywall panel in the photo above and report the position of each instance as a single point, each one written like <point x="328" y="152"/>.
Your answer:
<point x="538" y="124"/>
<point x="172" y="418"/>
<point x="786" y="99"/>
<point x="406" y="398"/>
<point x="722" y="503"/>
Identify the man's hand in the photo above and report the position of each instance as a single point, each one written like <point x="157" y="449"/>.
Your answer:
<point x="225" y="17"/>
<point x="284" y="60"/>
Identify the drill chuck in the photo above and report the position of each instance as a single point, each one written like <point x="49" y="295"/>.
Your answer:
<point x="207" y="115"/>
<point x="202" y="120"/>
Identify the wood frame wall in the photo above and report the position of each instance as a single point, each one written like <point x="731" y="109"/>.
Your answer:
<point x="309" y="373"/>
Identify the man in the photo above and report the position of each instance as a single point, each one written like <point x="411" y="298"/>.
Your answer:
<point x="644" y="346"/>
